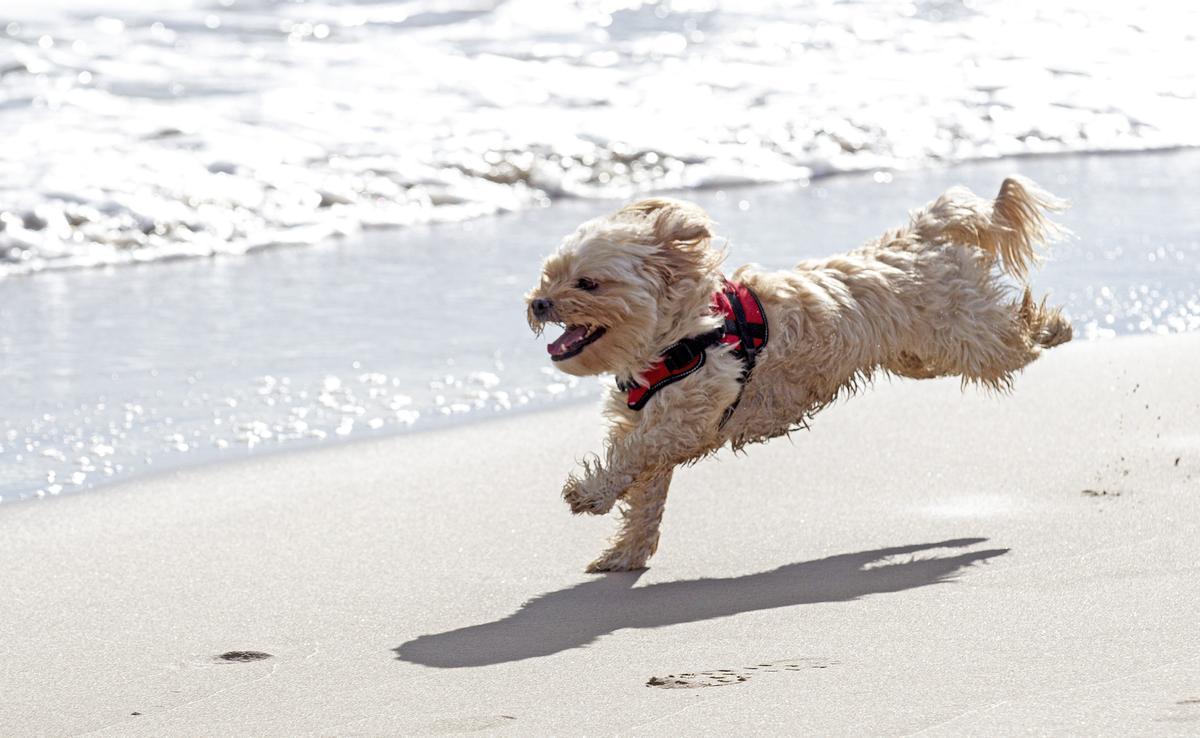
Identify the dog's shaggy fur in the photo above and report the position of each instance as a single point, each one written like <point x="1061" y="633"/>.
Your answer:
<point x="925" y="300"/>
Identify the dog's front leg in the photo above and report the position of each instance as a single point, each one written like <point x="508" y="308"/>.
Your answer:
<point x="659" y="442"/>
<point x="630" y="458"/>
<point x="592" y="492"/>
<point x="641" y="515"/>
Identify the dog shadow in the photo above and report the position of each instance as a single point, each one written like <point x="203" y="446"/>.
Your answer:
<point x="579" y="615"/>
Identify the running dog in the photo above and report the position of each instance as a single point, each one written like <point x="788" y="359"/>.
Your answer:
<point x="703" y="361"/>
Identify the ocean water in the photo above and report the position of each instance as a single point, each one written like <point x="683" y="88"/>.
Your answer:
<point x="136" y="131"/>
<point x="428" y="154"/>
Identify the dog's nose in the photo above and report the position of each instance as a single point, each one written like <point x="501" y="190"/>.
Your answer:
<point x="541" y="307"/>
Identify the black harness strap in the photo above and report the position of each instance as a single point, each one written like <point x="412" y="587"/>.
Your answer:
<point x="683" y="353"/>
<point x="678" y="361"/>
<point x="745" y="350"/>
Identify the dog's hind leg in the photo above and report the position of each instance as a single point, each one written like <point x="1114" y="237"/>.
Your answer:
<point x="966" y="324"/>
<point x="988" y="346"/>
<point x="908" y="364"/>
<point x="641" y="514"/>
<point x="1043" y="326"/>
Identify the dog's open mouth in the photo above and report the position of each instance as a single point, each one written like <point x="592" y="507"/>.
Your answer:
<point x="573" y="340"/>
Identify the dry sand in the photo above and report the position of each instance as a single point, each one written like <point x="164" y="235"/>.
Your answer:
<point x="922" y="561"/>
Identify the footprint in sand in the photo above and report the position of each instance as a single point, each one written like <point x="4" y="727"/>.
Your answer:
<point x="1183" y="711"/>
<point x="241" y="657"/>
<point x="469" y="724"/>
<point x="727" y="677"/>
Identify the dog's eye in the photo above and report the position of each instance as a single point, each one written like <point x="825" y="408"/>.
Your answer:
<point x="585" y="284"/>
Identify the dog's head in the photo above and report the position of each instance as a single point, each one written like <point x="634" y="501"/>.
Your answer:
<point x="626" y="286"/>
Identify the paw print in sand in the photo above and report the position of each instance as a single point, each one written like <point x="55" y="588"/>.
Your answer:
<point x="728" y="677"/>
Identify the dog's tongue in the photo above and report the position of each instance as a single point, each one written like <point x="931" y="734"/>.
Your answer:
<point x="567" y="340"/>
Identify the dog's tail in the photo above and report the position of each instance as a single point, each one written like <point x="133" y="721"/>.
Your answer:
<point x="1008" y="228"/>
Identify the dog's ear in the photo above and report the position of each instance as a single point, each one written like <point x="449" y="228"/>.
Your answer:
<point x="681" y="232"/>
<point x="674" y="221"/>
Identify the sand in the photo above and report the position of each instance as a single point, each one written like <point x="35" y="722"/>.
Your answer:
<point x="920" y="562"/>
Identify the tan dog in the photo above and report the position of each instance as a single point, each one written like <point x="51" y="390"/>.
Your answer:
<point x="926" y="300"/>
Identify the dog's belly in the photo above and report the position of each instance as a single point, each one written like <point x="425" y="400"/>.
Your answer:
<point x="765" y="413"/>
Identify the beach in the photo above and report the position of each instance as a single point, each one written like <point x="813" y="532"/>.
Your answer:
<point x="922" y="561"/>
<point x="280" y="455"/>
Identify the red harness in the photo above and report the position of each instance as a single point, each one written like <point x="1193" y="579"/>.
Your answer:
<point x="745" y="329"/>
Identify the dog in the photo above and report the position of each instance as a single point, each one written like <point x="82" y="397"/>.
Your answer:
<point x="702" y="361"/>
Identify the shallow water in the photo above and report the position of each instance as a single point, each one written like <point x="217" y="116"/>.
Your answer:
<point x="113" y="372"/>
<point x="138" y="131"/>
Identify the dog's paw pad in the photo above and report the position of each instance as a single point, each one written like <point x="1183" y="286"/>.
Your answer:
<point x="609" y="563"/>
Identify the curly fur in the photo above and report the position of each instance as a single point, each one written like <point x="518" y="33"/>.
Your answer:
<point x="926" y="300"/>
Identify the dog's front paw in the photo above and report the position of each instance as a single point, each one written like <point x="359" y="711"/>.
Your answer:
<point x="574" y="496"/>
<point x="583" y="497"/>
<point x="620" y="559"/>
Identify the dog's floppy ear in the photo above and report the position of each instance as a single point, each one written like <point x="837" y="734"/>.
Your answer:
<point x="682" y="232"/>
<point x="674" y="221"/>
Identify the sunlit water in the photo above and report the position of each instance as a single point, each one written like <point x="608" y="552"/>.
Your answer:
<point x="108" y="373"/>
<point x="137" y="131"/>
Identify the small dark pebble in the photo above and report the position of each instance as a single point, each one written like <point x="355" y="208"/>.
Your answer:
<point x="1177" y="458"/>
<point x="135" y="713"/>
<point x="243" y="656"/>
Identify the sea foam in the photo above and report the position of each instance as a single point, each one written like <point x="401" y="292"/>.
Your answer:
<point x="201" y="128"/>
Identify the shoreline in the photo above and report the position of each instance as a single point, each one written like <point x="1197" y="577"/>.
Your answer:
<point x="862" y="576"/>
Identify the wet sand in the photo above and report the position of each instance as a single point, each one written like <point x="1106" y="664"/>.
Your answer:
<point x="921" y="561"/>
